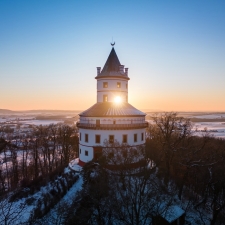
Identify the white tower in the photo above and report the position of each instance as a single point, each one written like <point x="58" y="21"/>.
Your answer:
<point x="112" y="117"/>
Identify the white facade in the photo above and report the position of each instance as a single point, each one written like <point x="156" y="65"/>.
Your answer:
<point x="112" y="88"/>
<point x="109" y="120"/>
<point x="86" y="147"/>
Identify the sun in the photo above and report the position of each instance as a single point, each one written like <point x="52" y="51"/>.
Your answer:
<point x="117" y="99"/>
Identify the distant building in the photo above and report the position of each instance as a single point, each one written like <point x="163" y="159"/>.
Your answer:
<point x="112" y="117"/>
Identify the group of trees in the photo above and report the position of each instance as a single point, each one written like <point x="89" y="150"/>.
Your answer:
<point x="47" y="150"/>
<point x="195" y="164"/>
<point x="124" y="196"/>
<point x="189" y="171"/>
<point x="6" y="129"/>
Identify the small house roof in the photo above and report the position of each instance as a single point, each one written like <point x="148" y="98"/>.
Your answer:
<point x="172" y="213"/>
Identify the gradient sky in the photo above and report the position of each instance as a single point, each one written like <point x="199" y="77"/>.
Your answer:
<point x="175" y="52"/>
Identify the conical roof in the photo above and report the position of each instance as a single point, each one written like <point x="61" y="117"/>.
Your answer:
<point x="112" y="63"/>
<point x="112" y="66"/>
<point x="109" y="109"/>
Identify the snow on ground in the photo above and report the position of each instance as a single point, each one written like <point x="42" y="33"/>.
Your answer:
<point x="2" y="120"/>
<point x="211" y="116"/>
<point x="5" y="157"/>
<point x="74" y="165"/>
<point x="40" y="122"/>
<point x="68" y="198"/>
<point x="12" y="207"/>
<point x="26" y="209"/>
<point x="28" y="121"/>
<point x="217" y="129"/>
<point x="73" y="190"/>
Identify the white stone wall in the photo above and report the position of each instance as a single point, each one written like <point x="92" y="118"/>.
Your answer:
<point x="112" y="90"/>
<point x="82" y="155"/>
<point x="118" y="135"/>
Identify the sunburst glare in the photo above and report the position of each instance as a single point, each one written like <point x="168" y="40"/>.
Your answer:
<point x="117" y="99"/>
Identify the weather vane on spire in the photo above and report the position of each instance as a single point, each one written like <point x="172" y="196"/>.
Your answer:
<point x="113" y="43"/>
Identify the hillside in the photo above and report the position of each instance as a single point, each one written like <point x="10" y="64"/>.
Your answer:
<point x="6" y="111"/>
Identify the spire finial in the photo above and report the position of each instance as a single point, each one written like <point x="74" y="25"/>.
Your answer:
<point x="113" y="43"/>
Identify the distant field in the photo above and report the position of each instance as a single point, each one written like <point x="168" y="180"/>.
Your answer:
<point x="40" y="118"/>
<point x="213" y="122"/>
<point x="207" y="120"/>
<point x="54" y="117"/>
<point x="195" y="115"/>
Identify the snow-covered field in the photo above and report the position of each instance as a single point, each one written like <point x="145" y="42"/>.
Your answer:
<point x="2" y="120"/>
<point x="31" y="121"/>
<point x="217" y="129"/>
<point x="40" y="122"/>
<point x="210" y="116"/>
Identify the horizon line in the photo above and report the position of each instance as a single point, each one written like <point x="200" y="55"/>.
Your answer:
<point x="145" y="110"/>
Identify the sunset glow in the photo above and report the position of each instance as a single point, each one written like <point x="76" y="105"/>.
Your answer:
<point x="117" y="99"/>
<point x="174" y="52"/>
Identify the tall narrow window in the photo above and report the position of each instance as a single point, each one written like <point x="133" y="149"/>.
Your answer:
<point x="86" y="153"/>
<point x="118" y="84"/>
<point x="142" y="136"/>
<point x="97" y="139"/>
<point x="126" y="86"/>
<point x="105" y="98"/>
<point x="86" y="137"/>
<point x="124" y="138"/>
<point x="80" y="151"/>
<point x="111" y="139"/>
<point x="80" y="136"/>
<point x="105" y="84"/>
<point x="97" y="123"/>
<point x="135" y="137"/>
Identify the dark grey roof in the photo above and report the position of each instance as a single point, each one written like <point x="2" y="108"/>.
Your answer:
<point x="112" y="63"/>
<point x="112" y="66"/>
<point x="109" y="109"/>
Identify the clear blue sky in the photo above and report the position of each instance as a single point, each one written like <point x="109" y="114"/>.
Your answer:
<point x="175" y="52"/>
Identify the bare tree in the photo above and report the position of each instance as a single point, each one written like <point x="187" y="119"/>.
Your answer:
<point x="165" y="137"/>
<point x="10" y="212"/>
<point x="137" y="195"/>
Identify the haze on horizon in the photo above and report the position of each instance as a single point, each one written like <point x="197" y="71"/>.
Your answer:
<point x="175" y="52"/>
